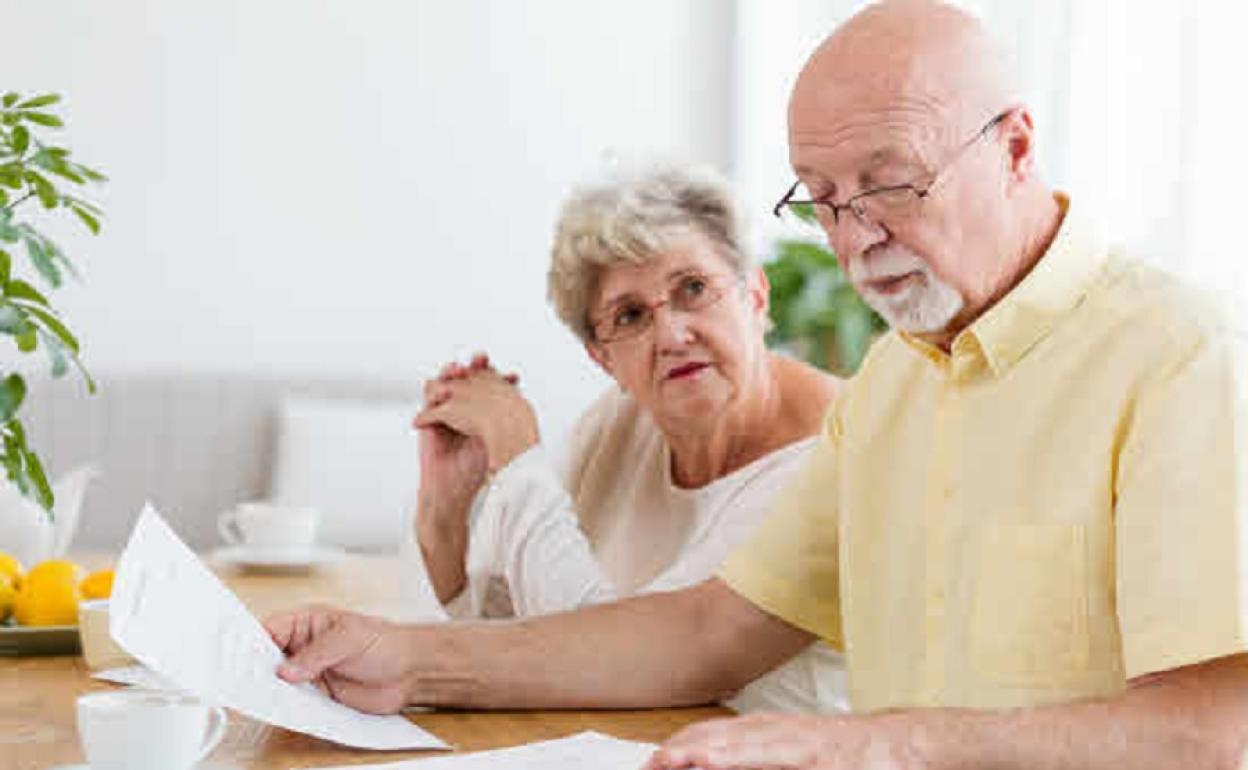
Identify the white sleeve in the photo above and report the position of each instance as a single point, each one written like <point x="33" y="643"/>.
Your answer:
<point x="527" y="533"/>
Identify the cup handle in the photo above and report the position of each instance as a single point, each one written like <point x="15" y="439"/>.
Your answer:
<point x="227" y="526"/>
<point x="215" y="733"/>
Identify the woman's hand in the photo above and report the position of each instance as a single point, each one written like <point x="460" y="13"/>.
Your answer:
<point x="478" y="402"/>
<point x="453" y="464"/>
<point x="355" y="659"/>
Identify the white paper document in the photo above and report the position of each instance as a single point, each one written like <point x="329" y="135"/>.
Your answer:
<point x="577" y="752"/>
<point x="173" y="615"/>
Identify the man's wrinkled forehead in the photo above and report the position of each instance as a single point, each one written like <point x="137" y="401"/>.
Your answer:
<point x="862" y="141"/>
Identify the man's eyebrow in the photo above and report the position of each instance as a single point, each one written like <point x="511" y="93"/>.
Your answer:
<point x="875" y="160"/>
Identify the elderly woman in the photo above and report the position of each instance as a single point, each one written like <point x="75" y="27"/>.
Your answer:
<point x="668" y="470"/>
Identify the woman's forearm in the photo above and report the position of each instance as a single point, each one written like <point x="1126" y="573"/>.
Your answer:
<point x="442" y="531"/>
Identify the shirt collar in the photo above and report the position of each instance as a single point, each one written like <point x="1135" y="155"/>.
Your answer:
<point x="1033" y="308"/>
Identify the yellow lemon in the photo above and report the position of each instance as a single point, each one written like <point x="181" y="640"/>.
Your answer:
<point x="49" y="603"/>
<point x="54" y="571"/>
<point x="11" y="568"/>
<point x="98" y="585"/>
<point x="7" y="594"/>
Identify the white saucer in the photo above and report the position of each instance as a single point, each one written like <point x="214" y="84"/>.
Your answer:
<point x="280" y="559"/>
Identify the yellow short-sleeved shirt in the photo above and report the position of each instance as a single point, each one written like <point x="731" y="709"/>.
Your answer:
<point x="1057" y="505"/>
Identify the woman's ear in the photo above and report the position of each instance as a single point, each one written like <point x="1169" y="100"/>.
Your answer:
<point x="600" y="356"/>
<point x="758" y="290"/>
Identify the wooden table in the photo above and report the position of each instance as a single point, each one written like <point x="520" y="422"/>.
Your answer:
<point x="37" y="721"/>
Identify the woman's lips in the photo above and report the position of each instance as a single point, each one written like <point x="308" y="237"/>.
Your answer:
<point x="893" y="284"/>
<point x="685" y="370"/>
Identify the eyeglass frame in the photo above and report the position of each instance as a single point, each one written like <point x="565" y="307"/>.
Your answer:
<point x="720" y="285"/>
<point x="854" y="205"/>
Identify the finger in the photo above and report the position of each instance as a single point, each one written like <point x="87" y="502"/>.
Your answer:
<point x="480" y="360"/>
<point x="280" y="627"/>
<point x="511" y="378"/>
<point x="669" y="759"/>
<point x="327" y="650"/>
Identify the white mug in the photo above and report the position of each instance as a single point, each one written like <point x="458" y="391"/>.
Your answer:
<point x="147" y="730"/>
<point x="268" y="525"/>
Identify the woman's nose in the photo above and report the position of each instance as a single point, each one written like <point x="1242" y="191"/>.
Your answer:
<point x="672" y="327"/>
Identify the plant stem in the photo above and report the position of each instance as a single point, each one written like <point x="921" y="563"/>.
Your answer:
<point x="19" y="201"/>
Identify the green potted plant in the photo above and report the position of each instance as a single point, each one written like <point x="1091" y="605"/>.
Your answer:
<point x="815" y="312"/>
<point x="38" y="179"/>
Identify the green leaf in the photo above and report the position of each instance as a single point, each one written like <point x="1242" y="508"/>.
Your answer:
<point x="64" y="171"/>
<point x="42" y="118"/>
<point x="91" y="222"/>
<point x="86" y="204"/>
<point x="6" y="267"/>
<point x="43" y="262"/>
<point x="90" y="173"/>
<point x="55" y="326"/>
<point x="12" y="394"/>
<point x="40" y="101"/>
<point x="59" y="365"/>
<point x="12" y="320"/>
<point x="27" y="340"/>
<point x="46" y="191"/>
<point x="39" y="481"/>
<point x="58" y="256"/>
<point x="19" y="289"/>
<point x="4" y="198"/>
<point x="20" y="140"/>
<point x="11" y="175"/>
<point x="10" y="99"/>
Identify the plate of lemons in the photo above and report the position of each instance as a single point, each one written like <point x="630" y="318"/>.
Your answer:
<point x="39" y="606"/>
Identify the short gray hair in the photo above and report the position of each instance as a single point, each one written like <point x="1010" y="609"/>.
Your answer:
<point x="630" y="217"/>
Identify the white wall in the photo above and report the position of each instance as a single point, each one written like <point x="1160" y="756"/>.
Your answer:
<point x="339" y="186"/>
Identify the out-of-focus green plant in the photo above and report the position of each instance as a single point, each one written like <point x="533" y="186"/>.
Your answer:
<point x="35" y="177"/>
<point x="815" y="312"/>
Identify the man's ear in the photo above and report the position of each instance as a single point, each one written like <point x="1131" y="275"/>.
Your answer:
<point x="1018" y="130"/>
<point x="600" y="356"/>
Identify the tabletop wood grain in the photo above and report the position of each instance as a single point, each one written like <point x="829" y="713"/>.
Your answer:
<point x="37" y="695"/>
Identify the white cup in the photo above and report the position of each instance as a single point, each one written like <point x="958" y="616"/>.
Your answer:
<point x="147" y="730"/>
<point x="99" y="651"/>
<point x="268" y="525"/>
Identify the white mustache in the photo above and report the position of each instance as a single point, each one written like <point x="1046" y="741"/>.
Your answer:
<point x="890" y="263"/>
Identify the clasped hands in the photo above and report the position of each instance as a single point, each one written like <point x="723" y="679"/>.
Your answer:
<point x="474" y="422"/>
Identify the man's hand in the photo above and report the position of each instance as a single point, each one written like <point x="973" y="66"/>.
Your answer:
<point x="774" y="741"/>
<point x="356" y="659"/>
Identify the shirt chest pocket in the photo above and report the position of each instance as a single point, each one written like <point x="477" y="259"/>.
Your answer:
<point x="1029" y="624"/>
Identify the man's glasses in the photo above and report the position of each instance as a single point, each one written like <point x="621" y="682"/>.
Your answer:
<point x="876" y="205"/>
<point x="633" y="316"/>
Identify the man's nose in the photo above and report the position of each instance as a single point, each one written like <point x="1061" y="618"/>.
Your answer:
<point x="852" y="235"/>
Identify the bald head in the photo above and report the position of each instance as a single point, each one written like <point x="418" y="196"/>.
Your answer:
<point x="920" y="56"/>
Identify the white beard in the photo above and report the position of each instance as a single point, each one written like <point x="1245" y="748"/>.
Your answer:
<point x="924" y="305"/>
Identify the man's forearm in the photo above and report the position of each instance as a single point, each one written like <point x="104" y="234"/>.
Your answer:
<point x="1194" y="718"/>
<point x="656" y="650"/>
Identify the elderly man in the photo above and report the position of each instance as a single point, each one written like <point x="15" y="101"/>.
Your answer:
<point x="1025" y="523"/>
